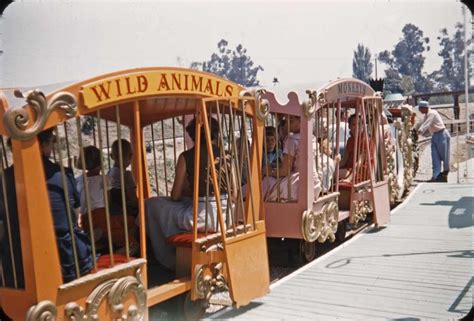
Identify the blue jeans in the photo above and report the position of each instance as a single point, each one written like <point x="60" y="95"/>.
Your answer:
<point x="440" y="145"/>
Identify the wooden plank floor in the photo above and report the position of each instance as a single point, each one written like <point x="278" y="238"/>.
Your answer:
<point x="418" y="267"/>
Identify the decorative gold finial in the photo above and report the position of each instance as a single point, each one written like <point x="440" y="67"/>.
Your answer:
<point x="17" y="120"/>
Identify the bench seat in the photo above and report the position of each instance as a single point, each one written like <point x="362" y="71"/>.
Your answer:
<point x="183" y="239"/>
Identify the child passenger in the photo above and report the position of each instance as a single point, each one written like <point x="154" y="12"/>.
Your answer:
<point x="95" y="184"/>
<point x="239" y="142"/>
<point x="326" y="164"/>
<point x="281" y="184"/>
<point x="273" y="154"/>
<point x="94" y="180"/>
<point x="128" y="183"/>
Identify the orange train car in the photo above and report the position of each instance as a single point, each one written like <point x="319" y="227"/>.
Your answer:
<point x="85" y="172"/>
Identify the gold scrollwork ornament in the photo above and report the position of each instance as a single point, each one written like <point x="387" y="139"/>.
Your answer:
<point x="332" y="219"/>
<point x="115" y="290"/>
<point x="322" y="99"/>
<point x="309" y="106"/>
<point x="74" y="312"/>
<point x="312" y="225"/>
<point x="43" y="311"/>
<point x="394" y="186"/>
<point x="120" y="290"/>
<point x="209" y="279"/>
<point x="361" y="209"/>
<point x="17" y="120"/>
<point x="262" y="105"/>
<point x="325" y="227"/>
<point x="201" y="285"/>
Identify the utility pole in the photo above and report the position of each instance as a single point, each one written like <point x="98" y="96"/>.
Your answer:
<point x="466" y="81"/>
<point x="375" y="58"/>
<point x="466" y="68"/>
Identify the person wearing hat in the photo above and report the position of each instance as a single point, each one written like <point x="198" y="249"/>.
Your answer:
<point x="440" y="141"/>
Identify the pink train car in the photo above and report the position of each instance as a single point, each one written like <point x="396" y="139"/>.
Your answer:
<point x="309" y="194"/>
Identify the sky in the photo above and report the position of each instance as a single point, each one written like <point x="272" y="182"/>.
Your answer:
<point x="303" y="44"/>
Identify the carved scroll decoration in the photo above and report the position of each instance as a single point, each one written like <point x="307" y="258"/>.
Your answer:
<point x="394" y="186"/>
<point x="361" y="209"/>
<point x="115" y="290"/>
<point x="209" y="279"/>
<point x="408" y="147"/>
<point x="309" y="106"/>
<point x="120" y="290"/>
<point x="321" y="225"/>
<point x="43" y="311"/>
<point x="331" y="215"/>
<point x="262" y="107"/>
<point x="312" y="225"/>
<point x="74" y="312"/>
<point x="17" y="120"/>
<point x="322" y="99"/>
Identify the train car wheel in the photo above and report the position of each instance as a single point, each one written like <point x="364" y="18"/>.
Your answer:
<point x="341" y="231"/>
<point x="307" y="251"/>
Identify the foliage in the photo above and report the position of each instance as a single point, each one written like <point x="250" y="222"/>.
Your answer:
<point x="234" y="65"/>
<point x="450" y="76"/>
<point x="406" y="59"/>
<point x="88" y="125"/>
<point x="407" y="85"/>
<point x="361" y="63"/>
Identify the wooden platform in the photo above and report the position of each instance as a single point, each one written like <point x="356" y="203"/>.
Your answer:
<point x="418" y="267"/>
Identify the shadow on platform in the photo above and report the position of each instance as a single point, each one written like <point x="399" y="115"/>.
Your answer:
<point x="345" y="261"/>
<point x="455" y="306"/>
<point x="375" y="230"/>
<point x="238" y="312"/>
<point x="460" y="215"/>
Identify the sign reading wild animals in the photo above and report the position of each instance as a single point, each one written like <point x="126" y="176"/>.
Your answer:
<point x="156" y="82"/>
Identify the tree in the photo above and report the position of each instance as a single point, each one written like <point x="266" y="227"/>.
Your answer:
<point x="234" y="65"/>
<point x="407" y="85"/>
<point x="450" y="76"/>
<point x="361" y="63"/>
<point x="88" y="125"/>
<point x="406" y="59"/>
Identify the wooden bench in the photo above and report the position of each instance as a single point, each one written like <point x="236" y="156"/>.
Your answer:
<point x="184" y="241"/>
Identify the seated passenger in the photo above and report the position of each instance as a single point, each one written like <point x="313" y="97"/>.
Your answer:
<point x="282" y="132"/>
<point x="94" y="180"/>
<point x="97" y="204"/>
<point x="273" y="154"/>
<point x="8" y="249"/>
<point x="346" y="166"/>
<point x="167" y="216"/>
<point x="58" y="205"/>
<point x="114" y="175"/>
<point x="326" y="164"/>
<point x="241" y="160"/>
<point x="347" y="161"/>
<point x="275" y="185"/>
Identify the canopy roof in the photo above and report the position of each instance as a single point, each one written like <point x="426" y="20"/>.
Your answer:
<point x="159" y="93"/>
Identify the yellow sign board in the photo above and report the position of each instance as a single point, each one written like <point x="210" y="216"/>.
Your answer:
<point x="156" y="82"/>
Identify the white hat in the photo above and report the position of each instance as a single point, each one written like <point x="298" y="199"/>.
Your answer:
<point x="423" y="104"/>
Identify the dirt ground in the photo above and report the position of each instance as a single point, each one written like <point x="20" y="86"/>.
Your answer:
<point x="460" y="152"/>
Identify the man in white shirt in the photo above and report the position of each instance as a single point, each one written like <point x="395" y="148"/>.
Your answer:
<point x="440" y="141"/>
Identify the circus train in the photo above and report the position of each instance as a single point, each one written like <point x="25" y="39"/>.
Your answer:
<point x="93" y="174"/>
